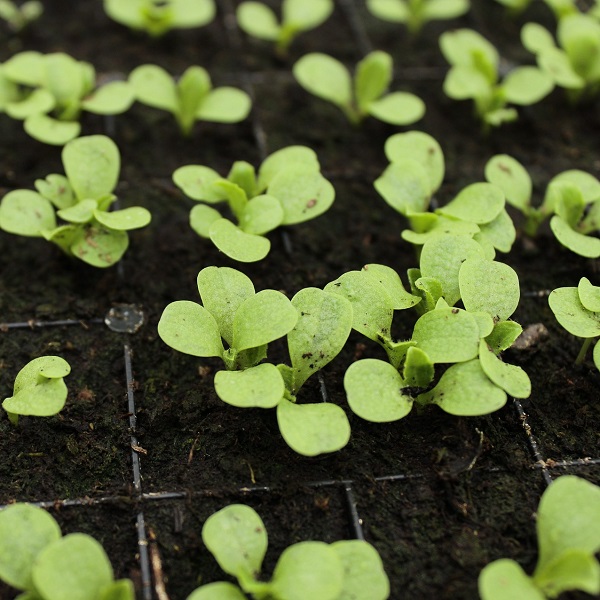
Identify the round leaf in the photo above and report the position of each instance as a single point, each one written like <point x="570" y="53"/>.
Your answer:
<point x="225" y="105"/>
<point x="235" y="243"/>
<point x="100" y="247"/>
<point x="237" y="538"/>
<point x="526" y="85"/>
<point x="258" y="20"/>
<point x="395" y="11"/>
<point x="465" y="390"/>
<point x="405" y="185"/>
<point x="512" y="379"/>
<point x="40" y="101"/>
<point x="261" y="215"/>
<point x="51" y="131"/>
<point x="282" y="159"/>
<point x="505" y="579"/>
<point x="398" y="108"/>
<point x="489" y="286"/>
<point x="25" y="530"/>
<point x="447" y="335"/>
<point x="25" y="212"/>
<point x="190" y="328"/>
<point x="153" y="86"/>
<point x="391" y="281"/>
<point x="374" y="391"/>
<point x="589" y="295"/>
<point x="500" y="233"/>
<point x="219" y="590"/>
<point x="125" y="219"/>
<point x="262" y="318"/>
<point x="373" y="76"/>
<point x="478" y="203"/>
<point x="111" y="99"/>
<point x="45" y="399"/>
<point x="260" y="386"/>
<point x="444" y="9"/>
<point x="72" y="568"/>
<point x="197" y="182"/>
<point x="306" y="14"/>
<point x="324" y="77"/>
<point x="536" y="38"/>
<point x="313" y="429"/>
<point x="56" y="188"/>
<point x="81" y="212"/>
<point x="581" y="244"/>
<point x="192" y="13"/>
<point x="572" y="315"/>
<point x="92" y="165"/>
<point x="512" y="178"/>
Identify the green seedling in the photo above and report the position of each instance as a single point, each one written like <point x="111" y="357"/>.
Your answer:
<point x="260" y="21"/>
<point x="317" y="325"/>
<point x="474" y="74"/>
<point x="416" y="172"/>
<point x="575" y="63"/>
<point x="37" y="560"/>
<point x="470" y="340"/>
<point x="81" y="200"/>
<point x="577" y="309"/>
<point x="237" y="538"/>
<point x="568" y="532"/>
<point x="289" y="189"/>
<point x="48" y="92"/>
<point x="39" y="389"/>
<point x="416" y="13"/>
<point x="157" y="17"/>
<point x="329" y="79"/>
<point x="560" y="8"/>
<point x="18" y="17"/>
<point x="192" y="98"/>
<point x="571" y="202"/>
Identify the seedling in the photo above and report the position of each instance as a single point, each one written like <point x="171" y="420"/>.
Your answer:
<point x="568" y="531"/>
<point x="157" y="17"/>
<point x="48" y="92"/>
<point x="237" y="538"/>
<point x="416" y="13"/>
<point x="260" y="21"/>
<point x="416" y="172"/>
<point x="190" y="99"/>
<point x="560" y="8"/>
<point x="577" y="309"/>
<point x="329" y="79"/>
<point x="575" y="63"/>
<point x="572" y="202"/>
<point x="82" y="200"/>
<point x="36" y="559"/>
<point x="39" y="389"/>
<point x="317" y="325"/>
<point x="289" y="189"/>
<point x="474" y="75"/>
<point x="453" y="268"/>
<point x="18" y="17"/>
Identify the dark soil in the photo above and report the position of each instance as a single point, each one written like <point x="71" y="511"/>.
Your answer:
<point x="464" y="491"/>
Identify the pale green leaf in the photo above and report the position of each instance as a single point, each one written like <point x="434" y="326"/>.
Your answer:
<point x="201" y="219"/>
<point x="444" y="9"/>
<point x="187" y="14"/>
<point x="39" y="101"/>
<point x="398" y="108"/>
<point x="313" y="429"/>
<point x="111" y="99"/>
<point x="500" y="233"/>
<point x="396" y="11"/>
<point x="153" y="86"/>
<point x="305" y="14"/>
<point x="259" y="387"/>
<point x="440" y="226"/>
<point x="258" y="20"/>
<point x="241" y="246"/>
<point x="374" y="391"/>
<point x="572" y="570"/>
<point x="51" y="131"/>
<point x="418" y="370"/>
<point x="465" y="390"/>
<point x="25" y="530"/>
<point x="468" y="48"/>
<point x="478" y="203"/>
<point x="122" y="589"/>
<point x="405" y="185"/>
<point x="197" y="181"/>
<point x="581" y="244"/>
<point x="536" y="38"/>
<point x="393" y="284"/>
<point x="505" y="579"/>
<point x="373" y="77"/>
<point x="526" y="85"/>
<point x="556" y="62"/>
<point x="512" y="379"/>
<point x="283" y="158"/>
<point x="189" y="328"/>
<point x="44" y="399"/>
<point x="219" y="590"/>
<point x="503" y="336"/>
<point x="489" y="286"/>
<point x="225" y="105"/>
<point x="82" y="212"/>
<point x="512" y="178"/>
<point x="262" y="318"/>
<point x="462" y="83"/>
<point x="57" y="189"/>
<point x="586" y="183"/>
<point x="24" y="212"/>
<point x="589" y="295"/>
<point x="26" y="68"/>
<point x="133" y="217"/>
<point x="98" y="246"/>
<point x="261" y="215"/>
<point x="572" y="315"/>
<point x="596" y="356"/>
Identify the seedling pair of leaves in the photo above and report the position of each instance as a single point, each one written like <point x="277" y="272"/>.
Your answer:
<point x="575" y="63"/>
<point x="237" y="538"/>
<point x="474" y="75"/>
<point x="259" y="21"/>
<point x="416" y="13"/>
<point x="81" y="198"/>
<point x="560" y="8"/>
<point x="317" y="325"/>
<point x="49" y="91"/>
<point x="572" y="202"/>
<point x="39" y="389"/>
<point x="18" y="17"/>
<point x="189" y="99"/>
<point x="329" y="79"/>
<point x="568" y="532"/>
<point x="416" y="172"/>
<point x="289" y="189"/>
<point x="452" y="268"/>
<point x="157" y="17"/>
<point x="36" y="559"/>
<point x="577" y="309"/>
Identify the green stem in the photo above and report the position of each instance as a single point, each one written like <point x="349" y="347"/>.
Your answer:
<point x="13" y="418"/>
<point x="583" y="350"/>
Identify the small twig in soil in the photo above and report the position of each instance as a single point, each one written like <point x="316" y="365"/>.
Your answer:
<point x="157" y="572"/>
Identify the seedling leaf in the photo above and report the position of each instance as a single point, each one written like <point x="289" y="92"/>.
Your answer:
<point x="478" y="203"/>
<point x="219" y="590"/>
<point x="405" y="185"/>
<point x="111" y="99"/>
<point x="57" y="189"/>
<point x="237" y="538"/>
<point x="260" y="386"/>
<point x="24" y="212"/>
<point x="262" y="318"/>
<point x="99" y="246"/>
<point x="197" y="181"/>
<point x="373" y="76"/>
<point x="511" y="177"/>
<point x="398" y="108"/>
<point x="579" y="243"/>
<point x="526" y="85"/>
<point x="465" y="390"/>
<point x="235" y="243"/>
<point x="393" y="284"/>
<point x="74" y="567"/>
<point x="500" y="233"/>
<point x="503" y="336"/>
<point x="261" y="215"/>
<point x="308" y="570"/>
<point x="489" y="286"/>
<point x="572" y="315"/>
<point x="190" y="328"/>
<point x="374" y="391"/>
<point x="225" y="105"/>
<point x="51" y="131"/>
<point x="258" y="20"/>
<point x="505" y="579"/>
<point x="589" y="295"/>
<point x="313" y="429"/>
<point x="283" y="158"/>
<point x="512" y="379"/>
<point x="25" y="531"/>
<point x="154" y="87"/>
<point x="133" y="217"/>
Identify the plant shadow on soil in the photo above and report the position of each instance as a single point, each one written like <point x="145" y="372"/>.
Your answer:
<point x="468" y="489"/>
